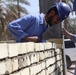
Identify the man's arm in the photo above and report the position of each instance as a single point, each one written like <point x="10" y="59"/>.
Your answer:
<point x="19" y="26"/>
<point x="67" y="34"/>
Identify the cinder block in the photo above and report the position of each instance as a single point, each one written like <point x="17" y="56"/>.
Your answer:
<point x="41" y="55"/>
<point x="61" y="68"/>
<point x="47" y="54"/>
<point x="58" y="51"/>
<point x="23" y="48"/>
<point x="52" y="53"/>
<point x="2" y="68"/>
<point x="48" y="71"/>
<point x="33" y="70"/>
<point x="43" y="65"/>
<point x="37" y="47"/>
<point x="59" y="63"/>
<point x="13" y="49"/>
<point x="8" y="64"/>
<point x="48" y="45"/>
<point x="14" y="64"/>
<point x="22" y="61"/>
<point x="3" y="50"/>
<point x="42" y="72"/>
<point x="30" y="46"/>
<point x="58" y="57"/>
<point x="50" y="61"/>
<point x="34" y="57"/>
<point x="51" y="69"/>
<point x="28" y="59"/>
<point x="37" y="57"/>
<point x="38" y="66"/>
<point x="41" y="46"/>
<point x="25" y="71"/>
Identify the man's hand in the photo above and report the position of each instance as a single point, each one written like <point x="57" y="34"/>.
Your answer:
<point x="32" y="39"/>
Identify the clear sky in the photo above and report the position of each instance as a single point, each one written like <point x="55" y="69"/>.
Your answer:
<point x="34" y="7"/>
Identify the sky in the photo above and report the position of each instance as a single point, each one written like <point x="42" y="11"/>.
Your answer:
<point x="34" y="7"/>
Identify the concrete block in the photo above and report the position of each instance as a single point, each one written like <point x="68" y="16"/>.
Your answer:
<point x="43" y="72"/>
<point x="14" y="64"/>
<point x="37" y="48"/>
<point x="22" y="61"/>
<point x="3" y="50"/>
<point x="13" y="49"/>
<point x="2" y="68"/>
<point x="25" y="71"/>
<point x="43" y="65"/>
<point x="41" y="46"/>
<point x="28" y="59"/>
<point x="41" y="55"/>
<point x="58" y="57"/>
<point x="51" y="69"/>
<point x="33" y="70"/>
<point x="47" y="54"/>
<point x="50" y="61"/>
<point x="8" y="64"/>
<point x="30" y="46"/>
<point x="34" y="57"/>
<point x="58" y="51"/>
<point x="48" y="71"/>
<point x="38" y="66"/>
<point x="23" y="48"/>
<point x="59" y="63"/>
<point x="61" y="68"/>
<point x="48" y="45"/>
<point x="52" y="53"/>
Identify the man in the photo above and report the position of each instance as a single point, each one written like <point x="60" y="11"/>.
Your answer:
<point x="70" y="35"/>
<point x="30" y="28"/>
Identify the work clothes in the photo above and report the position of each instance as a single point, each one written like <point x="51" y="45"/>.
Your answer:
<point x="29" y="25"/>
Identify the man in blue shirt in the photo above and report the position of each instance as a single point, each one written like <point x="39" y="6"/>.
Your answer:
<point x="30" y="28"/>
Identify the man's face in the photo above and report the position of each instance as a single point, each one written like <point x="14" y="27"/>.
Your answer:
<point x="52" y="18"/>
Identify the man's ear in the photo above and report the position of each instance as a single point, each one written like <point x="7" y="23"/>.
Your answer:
<point x="52" y="13"/>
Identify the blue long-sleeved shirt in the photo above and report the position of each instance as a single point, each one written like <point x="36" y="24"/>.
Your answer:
<point x="29" y="25"/>
<point x="73" y="38"/>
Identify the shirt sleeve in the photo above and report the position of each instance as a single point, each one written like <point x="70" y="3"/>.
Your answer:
<point x="19" y="26"/>
<point x="73" y="38"/>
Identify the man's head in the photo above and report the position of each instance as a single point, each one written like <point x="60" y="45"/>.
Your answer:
<point x="57" y="13"/>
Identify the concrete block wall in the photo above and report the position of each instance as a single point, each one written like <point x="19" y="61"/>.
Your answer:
<point x="30" y="59"/>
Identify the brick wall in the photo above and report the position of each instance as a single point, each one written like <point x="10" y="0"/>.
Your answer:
<point x="30" y="59"/>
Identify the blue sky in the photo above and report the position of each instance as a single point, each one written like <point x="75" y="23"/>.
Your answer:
<point x="34" y="7"/>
